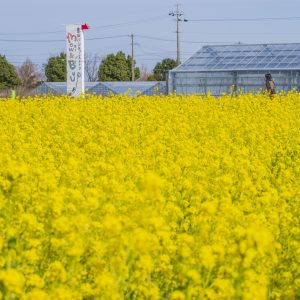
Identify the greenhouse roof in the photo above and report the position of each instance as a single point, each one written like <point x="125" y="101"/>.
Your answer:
<point x="130" y="88"/>
<point x="244" y="57"/>
<point x="61" y="87"/>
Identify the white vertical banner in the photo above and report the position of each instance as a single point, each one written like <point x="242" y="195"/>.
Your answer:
<point x="75" y="60"/>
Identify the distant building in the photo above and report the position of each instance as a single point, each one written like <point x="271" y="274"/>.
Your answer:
<point x="224" y="69"/>
<point x="107" y="88"/>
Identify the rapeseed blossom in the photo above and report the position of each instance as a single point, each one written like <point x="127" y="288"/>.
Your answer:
<point x="162" y="197"/>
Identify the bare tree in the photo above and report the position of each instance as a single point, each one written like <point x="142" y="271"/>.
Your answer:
<point x="29" y="77"/>
<point x="91" y="66"/>
<point x="144" y="74"/>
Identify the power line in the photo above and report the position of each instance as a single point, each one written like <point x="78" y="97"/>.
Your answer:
<point x="100" y="58"/>
<point x="31" y="33"/>
<point x="108" y="37"/>
<point x="93" y="27"/>
<point x="161" y="52"/>
<point x="155" y="19"/>
<point x="18" y="58"/>
<point x="38" y="61"/>
<point x="30" y="41"/>
<point x="53" y="53"/>
<point x="26" y="55"/>
<point x="60" y="40"/>
<point x="246" y="20"/>
<point x="131" y="22"/>
<point x="155" y="38"/>
<point x="244" y="33"/>
<point x="171" y="40"/>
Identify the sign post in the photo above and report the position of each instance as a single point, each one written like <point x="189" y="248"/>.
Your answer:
<point x="75" y="59"/>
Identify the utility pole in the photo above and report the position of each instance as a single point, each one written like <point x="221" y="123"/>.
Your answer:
<point x="178" y="14"/>
<point x="132" y="58"/>
<point x="178" y="35"/>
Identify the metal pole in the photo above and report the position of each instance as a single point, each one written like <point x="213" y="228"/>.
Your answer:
<point x="178" y="36"/>
<point x="132" y="58"/>
<point x="82" y="62"/>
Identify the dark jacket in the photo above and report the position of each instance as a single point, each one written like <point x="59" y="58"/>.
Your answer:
<point x="270" y="85"/>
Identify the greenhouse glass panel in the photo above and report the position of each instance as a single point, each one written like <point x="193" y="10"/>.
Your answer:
<point x="251" y="56"/>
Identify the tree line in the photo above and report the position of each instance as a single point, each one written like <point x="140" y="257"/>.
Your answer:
<point x="114" y="67"/>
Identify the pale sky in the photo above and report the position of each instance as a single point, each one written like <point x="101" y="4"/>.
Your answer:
<point x="37" y="20"/>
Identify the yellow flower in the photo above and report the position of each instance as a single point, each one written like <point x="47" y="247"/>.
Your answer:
<point x="177" y="295"/>
<point x="13" y="281"/>
<point x="161" y="197"/>
<point x="207" y="257"/>
<point x="37" y="294"/>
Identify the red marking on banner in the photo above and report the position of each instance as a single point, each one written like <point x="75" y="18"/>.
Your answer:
<point x="71" y="37"/>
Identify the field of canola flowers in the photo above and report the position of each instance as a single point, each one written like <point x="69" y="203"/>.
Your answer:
<point x="150" y="198"/>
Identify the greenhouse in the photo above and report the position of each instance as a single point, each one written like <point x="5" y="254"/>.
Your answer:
<point x="106" y="88"/>
<point x="233" y="68"/>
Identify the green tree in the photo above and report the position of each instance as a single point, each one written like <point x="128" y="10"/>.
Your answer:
<point x="56" y="68"/>
<point x="117" y="67"/>
<point x="161" y="69"/>
<point x="8" y="75"/>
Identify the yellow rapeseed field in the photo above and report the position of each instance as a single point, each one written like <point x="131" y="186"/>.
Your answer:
<point x="162" y="197"/>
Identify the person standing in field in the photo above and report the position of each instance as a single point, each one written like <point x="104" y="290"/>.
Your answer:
<point x="270" y="84"/>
